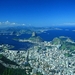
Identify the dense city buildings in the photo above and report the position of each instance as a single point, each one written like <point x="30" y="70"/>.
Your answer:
<point x="46" y="58"/>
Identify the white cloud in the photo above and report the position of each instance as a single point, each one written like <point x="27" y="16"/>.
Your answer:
<point x="13" y="23"/>
<point x="0" y="23"/>
<point x="68" y="24"/>
<point x="9" y="23"/>
<point x="23" y="24"/>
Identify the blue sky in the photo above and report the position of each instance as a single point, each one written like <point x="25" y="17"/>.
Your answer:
<point x="37" y="12"/>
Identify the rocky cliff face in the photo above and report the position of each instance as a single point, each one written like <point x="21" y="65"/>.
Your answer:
<point x="34" y="34"/>
<point x="35" y="38"/>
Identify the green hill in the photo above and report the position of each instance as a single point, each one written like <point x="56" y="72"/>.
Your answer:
<point x="11" y="71"/>
<point x="36" y="39"/>
<point x="66" y="43"/>
<point x="7" y="61"/>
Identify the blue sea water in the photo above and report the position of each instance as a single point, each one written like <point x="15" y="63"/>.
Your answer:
<point x="8" y="39"/>
<point x="46" y="36"/>
<point x="51" y="34"/>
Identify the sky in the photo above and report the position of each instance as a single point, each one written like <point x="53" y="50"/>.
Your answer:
<point x="37" y="12"/>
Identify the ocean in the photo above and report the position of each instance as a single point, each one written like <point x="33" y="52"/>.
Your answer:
<point x="46" y="36"/>
<point x="51" y="34"/>
<point x="8" y="39"/>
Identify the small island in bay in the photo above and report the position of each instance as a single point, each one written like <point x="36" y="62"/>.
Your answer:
<point x="33" y="39"/>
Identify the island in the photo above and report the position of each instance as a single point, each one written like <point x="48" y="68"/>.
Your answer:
<point x="33" y="39"/>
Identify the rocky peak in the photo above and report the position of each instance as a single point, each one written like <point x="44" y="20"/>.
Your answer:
<point x="33" y="34"/>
